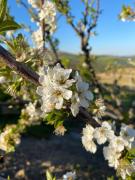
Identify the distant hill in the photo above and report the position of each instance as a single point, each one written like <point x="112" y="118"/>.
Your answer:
<point x="102" y="62"/>
<point x="105" y="63"/>
<point x="109" y="69"/>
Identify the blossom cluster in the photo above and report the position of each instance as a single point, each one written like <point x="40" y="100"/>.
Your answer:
<point x="116" y="144"/>
<point x="46" y="20"/>
<point x="33" y="115"/>
<point x="99" y="109"/>
<point x="48" y="14"/>
<point x="9" y="138"/>
<point x="37" y="36"/>
<point x="58" y="90"/>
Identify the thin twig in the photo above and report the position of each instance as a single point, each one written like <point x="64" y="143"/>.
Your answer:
<point x="94" y="24"/>
<point x="57" y="60"/>
<point x="43" y="27"/>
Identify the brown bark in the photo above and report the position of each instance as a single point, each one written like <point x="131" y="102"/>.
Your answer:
<point x="19" y="67"/>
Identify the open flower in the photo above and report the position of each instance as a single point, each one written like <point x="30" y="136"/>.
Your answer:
<point x="125" y="168"/>
<point x="54" y="98"/>
<point x="57" y="95"/>
<point x="89" y="144"/>
<point x="60" y="130"/>
<point x="87" y="139"/>
<point x="54" y="87"/>
<point x="112" y="155"/>
<point x="9" y="138"/>
<point x="85" y="95"/>
<point x="38" y="38"/>
<point x="48" y="9"/>
<point x="100" y="108"/>
<point x="128" y="134"/>
<point x="56" y="77"/>
<point x="47" y="105"/>
<point x="117" y="143"/>
<point x="32" y="111"/>
<point x="48" y="14"/>
<point x="103" y="133"/>
<point x="82" y="97"/>
<point x="75" y="104"/>
<point x="61" y="77"/>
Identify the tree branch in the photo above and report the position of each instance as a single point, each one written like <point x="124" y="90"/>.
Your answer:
<point x="70" y="21"/>
<point x="33" y="77"/>
<point x="20" y="68"/>
<point x="94" y="24"/>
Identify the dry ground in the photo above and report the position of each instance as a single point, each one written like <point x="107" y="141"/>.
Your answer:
<point x="59" y="155"/>
<point x="123" y="76"/>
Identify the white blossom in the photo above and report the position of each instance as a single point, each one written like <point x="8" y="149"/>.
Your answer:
<point x="75" y="104"/>
<point x="54" y="87"/>
<point x="33" y="114"/>
<point x="32" y="111"/>
<point x="38" y="37"/>
<point x="127" y="171"/>
<point x="34" y="3"/>
<point x="85" y="95"/>
<point x="87" y="139"/>
<point x="60" y="130"/>
<point x="61" y="77"/>
<point x="69" y="175"/>
<point x="100" y="108"/>
<point x="2" y="79"/>
<point x="82" y="97"/>
<point x="48" y="14"/>
<point x="8" y="139"/>
<point x="125" y="168"/>
<point x="21" y="57"/>
<point x="103" y="133"/>
<point x="56" y="77"/>
<point x="128" y="134"/>
<point x="118" y="143"/>
<point x="57" y="95"/>
<point x="112" y="155"/>
<point x="89" y="144"/>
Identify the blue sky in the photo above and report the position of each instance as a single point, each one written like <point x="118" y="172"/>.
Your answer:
<point x="114" y="37"/>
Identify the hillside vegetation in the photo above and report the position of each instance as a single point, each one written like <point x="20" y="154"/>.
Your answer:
<point x="109" y="69"/>
<point x="101" y="63"/>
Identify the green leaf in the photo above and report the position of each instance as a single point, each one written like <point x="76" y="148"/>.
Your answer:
<point x="8" y="178"/>
<point x="49" y="176"/>
<point x="3" y="7"/>
<point x="8" y="25"/>
<point x="56" y="117"/>
<point x="110" y="178"/>
<point x="131" y="154"/>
